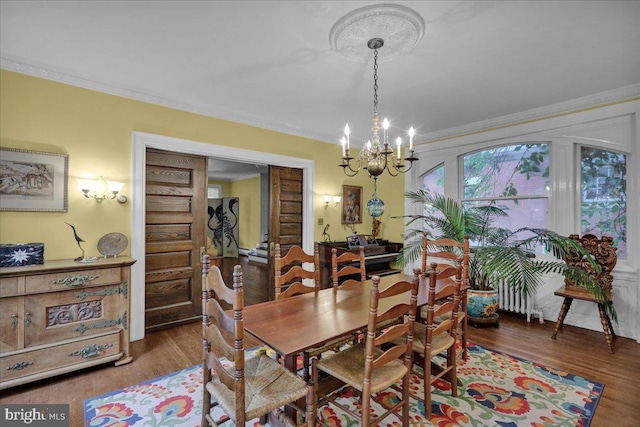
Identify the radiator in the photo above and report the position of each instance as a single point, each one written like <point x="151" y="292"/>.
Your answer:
<point x="516" y="302"/>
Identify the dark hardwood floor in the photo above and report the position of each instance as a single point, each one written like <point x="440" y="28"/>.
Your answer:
<point x="578" y="351"/>
<point x="254" y="278"/>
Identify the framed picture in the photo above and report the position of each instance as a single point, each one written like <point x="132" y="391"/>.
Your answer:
<point x="351" y="204"/>
<point x="33" y="181"/>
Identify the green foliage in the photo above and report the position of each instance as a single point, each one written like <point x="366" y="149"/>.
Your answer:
<point x="496" y="252"/>
<point x="484" y="166"/>
<point x="604" y="193"/>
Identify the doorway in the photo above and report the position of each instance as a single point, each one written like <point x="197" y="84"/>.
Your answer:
<point x="140" y="142"/>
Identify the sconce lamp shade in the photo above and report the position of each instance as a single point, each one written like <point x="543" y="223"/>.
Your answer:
<point x="328" y="199"/>
<point x="100" y="189"/>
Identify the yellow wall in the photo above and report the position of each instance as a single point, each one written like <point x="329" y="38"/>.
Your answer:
<point x="248" y="191"/>
<point x="94" y="129"/>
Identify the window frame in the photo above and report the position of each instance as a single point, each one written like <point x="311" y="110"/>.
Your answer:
<point x="564" y="194"/>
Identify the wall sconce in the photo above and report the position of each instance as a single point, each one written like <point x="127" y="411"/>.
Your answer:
<point x="100" y="189"/>
<point x="329" y="199"/>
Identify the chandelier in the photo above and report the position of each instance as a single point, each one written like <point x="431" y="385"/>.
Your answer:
<point x="377" y="156"/>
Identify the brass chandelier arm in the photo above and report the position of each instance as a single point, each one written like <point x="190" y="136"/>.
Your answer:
<point x="346" y="164"/>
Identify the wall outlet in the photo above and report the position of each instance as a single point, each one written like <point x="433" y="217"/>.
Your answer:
<point x="320" y="221"/>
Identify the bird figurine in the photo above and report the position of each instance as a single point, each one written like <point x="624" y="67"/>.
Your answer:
<point x="325" y="235"/>
<point x="78" y="240"/>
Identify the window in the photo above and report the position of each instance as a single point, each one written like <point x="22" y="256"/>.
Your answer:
<point x="434" y="180"/>
<point x="515" y="177"/>
<point x="603" y="208"/>
<point x="214" y="192"/>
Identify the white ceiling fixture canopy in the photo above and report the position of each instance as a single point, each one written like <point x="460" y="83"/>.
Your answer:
<point x="400" y="27"/>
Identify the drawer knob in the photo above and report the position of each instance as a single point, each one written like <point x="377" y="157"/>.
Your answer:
<point x="91" y="350"/>
<point x="14" y="322"/>
<point x="75" y="280"/>
<point x="18" y="366"/>
<point x="27" y="318"/>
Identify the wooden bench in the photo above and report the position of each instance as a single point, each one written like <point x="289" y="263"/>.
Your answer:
<point x="605" y="256"/>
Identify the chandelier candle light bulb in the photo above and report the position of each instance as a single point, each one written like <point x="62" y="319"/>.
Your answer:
<point x="411" y="133"/>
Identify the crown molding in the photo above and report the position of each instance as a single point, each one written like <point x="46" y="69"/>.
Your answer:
<point x="613" y="96"/>
<point x="13" y="64"/>
<point x="585" y="102"/>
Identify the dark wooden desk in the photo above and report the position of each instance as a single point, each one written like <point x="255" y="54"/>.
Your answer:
<point x="295" y="324"/>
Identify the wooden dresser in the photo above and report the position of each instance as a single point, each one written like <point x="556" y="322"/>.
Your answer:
<point x="61" y="316"/>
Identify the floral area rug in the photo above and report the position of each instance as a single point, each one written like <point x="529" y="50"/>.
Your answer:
<point x="497" y="390"/>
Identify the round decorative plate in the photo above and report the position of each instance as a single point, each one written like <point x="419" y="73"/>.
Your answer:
<point x="112" y="244"/>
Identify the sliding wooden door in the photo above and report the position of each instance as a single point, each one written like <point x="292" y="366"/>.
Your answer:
<point x="285" y="213"/>
<point x="175" y="231"/>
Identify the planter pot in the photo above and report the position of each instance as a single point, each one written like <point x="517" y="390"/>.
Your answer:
<point x="482" y="307"/>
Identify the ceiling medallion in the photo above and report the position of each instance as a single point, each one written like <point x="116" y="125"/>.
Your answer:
<point x="400" y="27"/>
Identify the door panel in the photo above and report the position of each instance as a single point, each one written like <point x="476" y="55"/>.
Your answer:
<point x="285" y="213"/>
<point x="175" y="220"/>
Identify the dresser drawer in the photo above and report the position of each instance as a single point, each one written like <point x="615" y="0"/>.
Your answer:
<point x="78" y="313"/>
<point x="51" y="358"/>
<point x="9" y="286"/>
<point x="72" y="280"/>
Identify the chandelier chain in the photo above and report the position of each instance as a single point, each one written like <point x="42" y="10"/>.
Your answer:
<point x="375" y="81"/>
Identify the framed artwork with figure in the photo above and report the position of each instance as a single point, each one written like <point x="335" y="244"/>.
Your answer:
<point x="33" y="180"/>
<point x="351" y="204"/>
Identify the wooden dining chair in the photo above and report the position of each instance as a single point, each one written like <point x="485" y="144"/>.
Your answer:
<point x="432" y="339"/>
<point x="347" y="264"/>
<point x="450" y="250"/>
<point x="369" y="368"/>
<point x="290" y="273"/>
<point x="249" y="388"/>
<point x="341" y="266"/>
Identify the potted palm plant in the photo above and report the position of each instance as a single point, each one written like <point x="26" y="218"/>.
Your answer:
<point x="496" y="252"/>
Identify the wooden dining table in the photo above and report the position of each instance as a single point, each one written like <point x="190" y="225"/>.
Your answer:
<point x="292" y="325"/>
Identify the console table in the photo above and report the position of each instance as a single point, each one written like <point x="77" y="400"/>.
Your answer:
<point x="62" y="316"/>
<point x="378" y="258"/>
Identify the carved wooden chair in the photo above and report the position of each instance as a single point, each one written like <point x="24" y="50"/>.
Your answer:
<point x="434" y="338"/>
<point x="605" y="256"/>
<point x="347" y="264"/>
<point x="369" y="368"/>
<point x="249" y="388"/>
<point x="450" y="250"/>
<point x="290" y="273"/>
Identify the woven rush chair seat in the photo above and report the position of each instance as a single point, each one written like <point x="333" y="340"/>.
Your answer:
<point x="439" y="343"/>
<point x="267" y="387"/>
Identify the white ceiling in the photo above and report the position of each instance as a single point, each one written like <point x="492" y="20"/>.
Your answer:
<point x="270" y="64"/>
